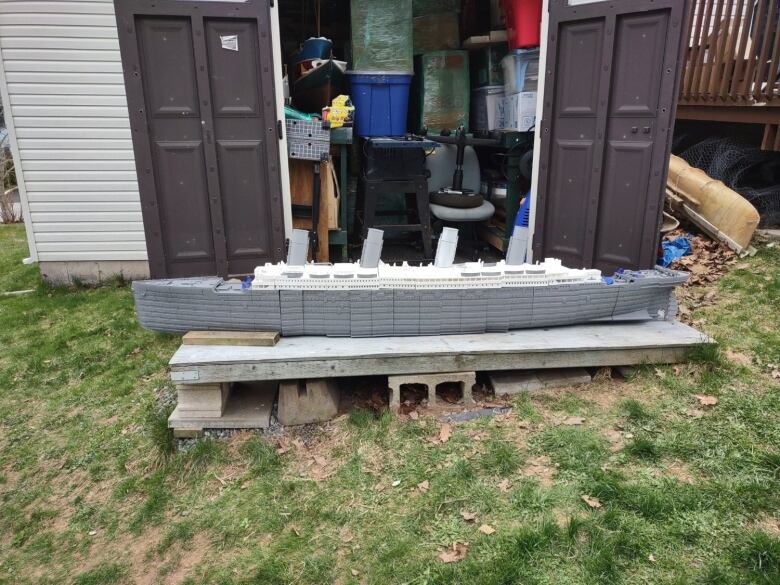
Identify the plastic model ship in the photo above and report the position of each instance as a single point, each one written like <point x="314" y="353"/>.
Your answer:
<point x="373" y="299"/>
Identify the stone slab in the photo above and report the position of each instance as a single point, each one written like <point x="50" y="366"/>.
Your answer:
<point x="514" y="382"/>
<point x="202" y="400"/>
<point x="303" y="402"/>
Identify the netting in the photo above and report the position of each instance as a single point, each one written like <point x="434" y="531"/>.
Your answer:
<point x="750" y="171"/>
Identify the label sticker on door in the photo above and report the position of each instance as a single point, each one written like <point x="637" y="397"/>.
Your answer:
<point x="229" y="42"/>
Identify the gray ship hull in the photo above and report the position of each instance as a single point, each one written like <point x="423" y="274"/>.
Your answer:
<point x="203" y="304"/>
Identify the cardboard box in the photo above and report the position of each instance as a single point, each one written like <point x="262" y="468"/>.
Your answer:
<point x="517" y="112"/>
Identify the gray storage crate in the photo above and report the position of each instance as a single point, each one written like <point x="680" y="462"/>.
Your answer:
<point x="307" y="140"/>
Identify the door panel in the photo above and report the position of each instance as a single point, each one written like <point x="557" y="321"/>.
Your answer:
<point x="639" y="46"/>
<point x="239" y="128"/>
<point x="234" y="80"/>
<point x="578" y="68"/>
<point x="199" y="80"/>
<point x="168" y="66"/>
<point x="172" y="106"/>
<point x="241" y="179"/>
<point x="184" y="201"/>
<point x="610" y="95"/>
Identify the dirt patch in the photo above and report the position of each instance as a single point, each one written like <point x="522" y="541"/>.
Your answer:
<point x="608" y="392"/>
<point x="136" y="553"/>
<point x="616" y="438"/>
<point x="769" y="524"/>
<point x="739" y="358"/>
<point x="541" y="469"/>
<point x="190" y="556"/>
<point x="679" y="471"/>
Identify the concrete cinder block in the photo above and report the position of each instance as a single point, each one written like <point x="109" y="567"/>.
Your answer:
<point x="514" y="382"/>
<point x="307" y="401"/>
<point x="202" y="400"/>
<point x="467" y="380"/>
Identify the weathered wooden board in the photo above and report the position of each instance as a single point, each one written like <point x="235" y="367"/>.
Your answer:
<point x="557" y="347"/>
<point x="250" y="338"/>
<point x="301" y="188"/>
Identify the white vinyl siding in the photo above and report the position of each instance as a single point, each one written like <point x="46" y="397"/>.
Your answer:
<point x="68" y="111"/>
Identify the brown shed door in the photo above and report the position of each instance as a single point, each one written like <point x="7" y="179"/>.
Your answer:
<point x="610" y="94"/>
<point x="199" y="78"/>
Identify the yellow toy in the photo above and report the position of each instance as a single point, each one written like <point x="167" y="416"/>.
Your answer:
<point x="339" y="113"/>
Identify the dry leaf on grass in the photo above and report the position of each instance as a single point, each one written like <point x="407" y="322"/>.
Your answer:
<point x="355" y="572"/>
<point x="320" y="460"/>
<point x="444" y="432"/>
<point x="591" y="501"/>
<point x="775" y="374"/>
<point x="487" y="529"/>
<point x="573" y="421"/>
<point x="468" y="516"/>
<point x="651" y="558"/>
<point x="457" y="552"/>
<point x="694" y="413"/>
<point x="706" y="400"/>
<point x="413" y="415"/>
<point x="424" y="486"/>
<point x="503" y="486"/>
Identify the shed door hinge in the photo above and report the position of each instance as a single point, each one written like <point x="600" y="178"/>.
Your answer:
<point x="280" y="129"/>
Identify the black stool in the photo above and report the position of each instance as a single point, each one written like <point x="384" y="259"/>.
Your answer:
<point x="417" y="207"/>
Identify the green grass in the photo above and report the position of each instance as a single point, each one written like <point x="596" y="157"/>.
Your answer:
<point x="93" y="491"/>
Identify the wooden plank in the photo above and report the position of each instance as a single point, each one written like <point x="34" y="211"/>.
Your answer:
<point x="301" y="187"/>
<point x="480" y="41"/>
<point x="250" y="338"/>
<point x="556" y="347"/>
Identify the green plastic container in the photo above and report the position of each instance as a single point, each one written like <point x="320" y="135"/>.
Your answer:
<point x="441" y="92"/>
<point x="382" y="36"/>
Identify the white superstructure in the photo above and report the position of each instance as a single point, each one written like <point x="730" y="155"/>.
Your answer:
<point x="403" y="276"/>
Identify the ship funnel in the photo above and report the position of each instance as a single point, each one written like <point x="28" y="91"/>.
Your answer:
<point x="518" y="244"/>
<point x="445" y="250"/>
<point x="298" y="250"/>
<point x="372" y="249"/>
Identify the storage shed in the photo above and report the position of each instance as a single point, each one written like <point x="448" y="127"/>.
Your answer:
<point x="61" y="78"/>
<point x="89" y="169"/>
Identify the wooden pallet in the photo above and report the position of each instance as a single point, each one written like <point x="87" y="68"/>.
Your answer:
<point x="211" y="368"/>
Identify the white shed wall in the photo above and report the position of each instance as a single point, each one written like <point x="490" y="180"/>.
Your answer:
<point x="67" y="112"/>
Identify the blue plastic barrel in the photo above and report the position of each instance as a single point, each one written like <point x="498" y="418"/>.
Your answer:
<point x="381" y="101"/>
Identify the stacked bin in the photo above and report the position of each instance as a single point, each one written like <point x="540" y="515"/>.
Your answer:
<point x="382" y="63"/>
<point x="442" y="88"/>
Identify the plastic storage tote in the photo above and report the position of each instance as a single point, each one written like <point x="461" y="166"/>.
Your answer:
<point x="523" y="22"/>
<point x="381" y="101"/>
<point x="521" y="71"/>
<point x="484" y="107"/>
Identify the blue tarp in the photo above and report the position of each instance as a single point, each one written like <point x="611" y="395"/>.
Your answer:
<point x="674" y="249"/>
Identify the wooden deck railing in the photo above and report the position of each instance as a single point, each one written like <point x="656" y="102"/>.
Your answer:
<point x="733" y="55"/>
